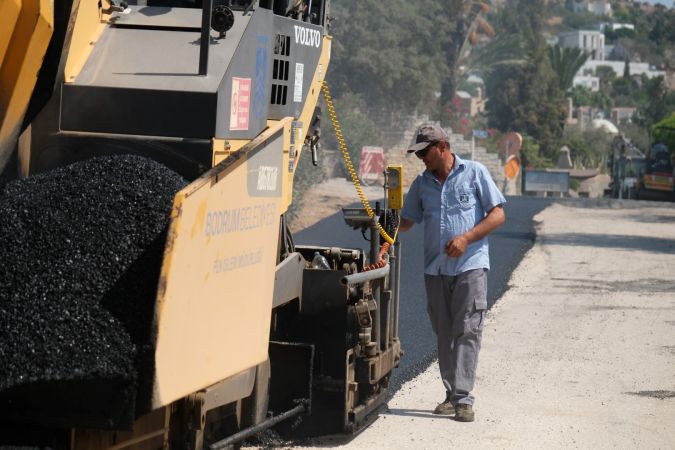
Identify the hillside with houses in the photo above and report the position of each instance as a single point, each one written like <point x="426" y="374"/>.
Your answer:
<point x="624" y="47"/>
<point x="567" y="76"/>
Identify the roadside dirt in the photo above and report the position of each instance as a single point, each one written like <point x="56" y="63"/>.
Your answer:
<point x="330" y="197"/>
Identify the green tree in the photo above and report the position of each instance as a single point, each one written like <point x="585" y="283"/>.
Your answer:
<point x="388" y="53"/>
<point x="664" y="132"/>
<point x="399" y="54"/>
<point x="622" y="86"/>
<point x="589" y="148"/>
<point x="464" y="19"/>
<point x="530" y="154"/>
<point x="582" y="20"/>
<point x="663" y="28"/>
<point x="611" y="36"/>
<point x="605" y="74"/>
<point x="484" y="58"/>
<point x="583" y="96"/>
<point x="626" y="68"/>
<point x="652" y="99"/>
<point x="527" y="97"/>
<point x="602" y="100"/>
<point x="566" y="62"/>
<point x="656" y="108"/>
<point x="621" y="14"/>
<point x="468" y="86"/>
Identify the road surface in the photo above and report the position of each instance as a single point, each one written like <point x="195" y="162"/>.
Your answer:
<point x="507" y="247"/>
<point x="578" y="353"/>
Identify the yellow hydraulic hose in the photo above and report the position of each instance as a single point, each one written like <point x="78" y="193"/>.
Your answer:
<point x="350" y="166"/>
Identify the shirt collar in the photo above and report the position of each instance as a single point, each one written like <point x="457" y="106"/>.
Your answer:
<point x="459" y="163"/>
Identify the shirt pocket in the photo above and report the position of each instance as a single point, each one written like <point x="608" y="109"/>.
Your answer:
<point x="466" y="198"/>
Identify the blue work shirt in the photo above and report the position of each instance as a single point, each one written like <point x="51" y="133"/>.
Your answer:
<point x="449" y="210"/>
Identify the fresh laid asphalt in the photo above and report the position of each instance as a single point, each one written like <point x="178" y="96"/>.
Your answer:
<point x="508" y="245"/>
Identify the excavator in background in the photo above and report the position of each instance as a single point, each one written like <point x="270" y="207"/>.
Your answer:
<point x="249" y="329"/>
<point x="626" y="163"/>
<point x="639" y="176"/>
<point x="657" y="179"/>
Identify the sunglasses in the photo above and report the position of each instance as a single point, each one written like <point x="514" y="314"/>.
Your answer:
<point x="422" y="153"/>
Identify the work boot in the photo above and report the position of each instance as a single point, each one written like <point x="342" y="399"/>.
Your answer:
<point x="464" y="413"/>
<point x="445" y="408"/>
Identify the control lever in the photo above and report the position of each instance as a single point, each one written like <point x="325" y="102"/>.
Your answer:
<point x="113" y="7"/>
<point x="313" y="143"/>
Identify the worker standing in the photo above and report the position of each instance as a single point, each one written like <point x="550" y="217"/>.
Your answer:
<point x="460" y="205"/>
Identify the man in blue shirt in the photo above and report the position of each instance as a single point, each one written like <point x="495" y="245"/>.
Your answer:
<point x="459" y="205"/>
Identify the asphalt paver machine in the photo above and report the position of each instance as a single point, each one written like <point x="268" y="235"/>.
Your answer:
<point x="247" y="329"/>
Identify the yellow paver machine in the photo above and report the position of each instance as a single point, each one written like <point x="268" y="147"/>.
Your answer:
<point x="247" y="328"/>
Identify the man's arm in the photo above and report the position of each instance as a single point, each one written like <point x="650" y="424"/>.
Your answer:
<point x="405" y="224"/>
<point x="412" y="207"/>
<point x="493" y="220"/>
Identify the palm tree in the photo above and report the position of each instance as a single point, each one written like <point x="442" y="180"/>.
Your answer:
<point x="465" y="21"/>
<point x="507" y="50"/>
<point x="467" y="53"/>
<point x="566" y="62"/>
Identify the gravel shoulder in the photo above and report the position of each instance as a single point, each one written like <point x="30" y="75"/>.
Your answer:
<point x="580" y="352"/>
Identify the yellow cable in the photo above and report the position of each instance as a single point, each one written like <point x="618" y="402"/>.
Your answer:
<point x="350" y="166"/>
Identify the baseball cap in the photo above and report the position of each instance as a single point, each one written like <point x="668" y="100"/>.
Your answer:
<point x="426" y="135"/>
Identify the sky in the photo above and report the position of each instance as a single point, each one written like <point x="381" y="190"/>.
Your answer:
<point x="668" y="3"/>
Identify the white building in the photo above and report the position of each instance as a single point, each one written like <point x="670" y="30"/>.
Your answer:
<point x="599" y="8"/>
<point x="587" y="81"/>
<point x="635" y="68"/>
<point x="592" y="42"/>
<point x="615" y="26"/>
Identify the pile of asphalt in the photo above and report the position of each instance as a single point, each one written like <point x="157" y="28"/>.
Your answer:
<point x="80" y="255"/>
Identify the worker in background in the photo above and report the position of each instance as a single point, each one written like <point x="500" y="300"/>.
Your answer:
<point x="297" y="9"/>
<point x="459" y="205"/>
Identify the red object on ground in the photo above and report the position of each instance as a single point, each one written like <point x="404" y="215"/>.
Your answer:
<point x="371" y="165"/>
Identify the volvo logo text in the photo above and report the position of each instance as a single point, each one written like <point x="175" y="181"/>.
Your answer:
<point x="307" y="36"/>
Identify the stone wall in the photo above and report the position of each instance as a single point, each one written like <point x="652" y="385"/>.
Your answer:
<point x="412" y="166"/>
<point x="398" y="130"/>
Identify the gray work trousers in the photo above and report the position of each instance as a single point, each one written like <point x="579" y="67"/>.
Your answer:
<point x="456" y="307"/>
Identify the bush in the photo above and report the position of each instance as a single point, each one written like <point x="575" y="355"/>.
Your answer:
<point x="530" y="157"/>
<point x="588" y="148"/>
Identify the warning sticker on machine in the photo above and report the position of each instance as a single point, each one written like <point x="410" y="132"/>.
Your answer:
<point x="297" y="91"/>
<point x="240" y="105"/>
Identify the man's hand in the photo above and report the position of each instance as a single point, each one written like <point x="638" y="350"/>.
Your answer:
<point x="494" y="219"/>
<point x="456" y="246"/>
<point x="405" y="224"/>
